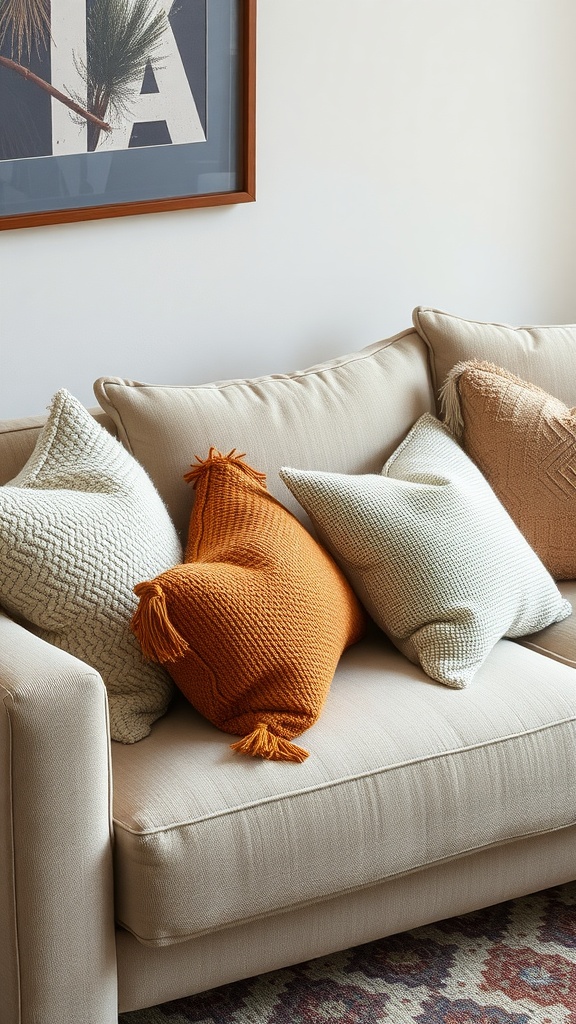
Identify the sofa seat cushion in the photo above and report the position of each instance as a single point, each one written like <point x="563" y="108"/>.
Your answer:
<point x="406" y="773"/>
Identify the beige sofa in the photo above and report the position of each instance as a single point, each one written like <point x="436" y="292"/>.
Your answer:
<point x="132" y="874"/>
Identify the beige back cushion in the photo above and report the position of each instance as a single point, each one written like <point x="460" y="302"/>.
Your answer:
<point x="545" y="356"/>
<point x="346" y="415"/>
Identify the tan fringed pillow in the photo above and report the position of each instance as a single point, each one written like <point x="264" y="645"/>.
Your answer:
<point x="524" y="442"/>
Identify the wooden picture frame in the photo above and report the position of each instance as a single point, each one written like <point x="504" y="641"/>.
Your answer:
<point x="182" y="135"/>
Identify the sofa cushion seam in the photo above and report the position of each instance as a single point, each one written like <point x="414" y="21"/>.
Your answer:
<point x="547" y="653"/>
<point x="470" y="851"/>
<point x="383" y="769"/>
<point x="313" y="371"/>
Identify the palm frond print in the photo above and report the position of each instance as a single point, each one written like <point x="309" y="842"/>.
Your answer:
<point x="28" y="24"/>
<point x="122" y="37"/>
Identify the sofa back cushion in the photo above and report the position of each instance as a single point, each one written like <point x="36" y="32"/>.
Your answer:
<point x="346" y="415"/>
<point x="545" y="356"/>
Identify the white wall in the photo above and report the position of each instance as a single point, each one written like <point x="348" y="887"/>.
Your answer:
<point x="409" y="151"/>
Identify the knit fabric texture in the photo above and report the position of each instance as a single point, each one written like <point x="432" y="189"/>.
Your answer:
<point x="79" y="526"/>
<point x="524" y="442"/>
<point x="252" y="625"/>
<point x="432" y="553"/>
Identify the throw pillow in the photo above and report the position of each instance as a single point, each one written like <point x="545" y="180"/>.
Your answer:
<point x="251" y="627"/>
<point x="524" y="442"/>
<point x="432" y="554"/>
<point x="79" y="526"/>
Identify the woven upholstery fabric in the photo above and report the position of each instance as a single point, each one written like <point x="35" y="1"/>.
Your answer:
<point x="524" y="442"/>
<point x="79" y="526"/>
<point x="147" y="975"/>
<point x="347" y="414"/>
<point x="251" y="627"/>
<point x="546" y="356"/>
<point x="405" y="774"/>
<point x="432" y="554"/>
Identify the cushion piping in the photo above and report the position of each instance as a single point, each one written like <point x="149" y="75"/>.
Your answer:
<point x="338" y="782"/>
<point x="107" y="404"/>
<point x="420" y="329"/>
<point x="167" y="939"/>
<point x="345" y="360"/>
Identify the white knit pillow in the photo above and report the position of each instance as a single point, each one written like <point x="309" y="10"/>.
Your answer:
<point x="80" y="525"/>
<point x="432" y="554"/>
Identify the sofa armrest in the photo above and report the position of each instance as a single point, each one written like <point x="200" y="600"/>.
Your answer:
<point x="57" y="947"/>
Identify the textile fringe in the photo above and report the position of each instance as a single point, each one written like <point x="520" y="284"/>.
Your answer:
<point x="216" y="458"/>
<point x="263" y="743"/>
<point x="450" y="400"/>
<point x="157" y="637"/>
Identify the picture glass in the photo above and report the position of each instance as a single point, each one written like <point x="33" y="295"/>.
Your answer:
<point x="107" y="102"/>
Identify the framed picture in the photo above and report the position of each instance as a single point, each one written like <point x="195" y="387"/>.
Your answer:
<point x="117" y="107"/>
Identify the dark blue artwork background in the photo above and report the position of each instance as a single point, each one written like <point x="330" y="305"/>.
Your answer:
<point x="25" y="128"/>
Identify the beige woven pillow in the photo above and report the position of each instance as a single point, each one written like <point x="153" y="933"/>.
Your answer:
<point x="524" y="442"/>
<point x="80" y="525"/>
<point x="301" y="418"/>
<point x="431" y="553"/>
<point x="544" y="355"/>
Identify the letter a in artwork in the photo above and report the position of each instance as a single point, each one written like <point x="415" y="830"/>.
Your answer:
<point x="173" y="103"/>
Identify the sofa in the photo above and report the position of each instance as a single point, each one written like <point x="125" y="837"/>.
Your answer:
<point x="133" y="873"/>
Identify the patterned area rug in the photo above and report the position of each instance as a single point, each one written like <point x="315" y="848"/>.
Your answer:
<point x="510" y="964"/>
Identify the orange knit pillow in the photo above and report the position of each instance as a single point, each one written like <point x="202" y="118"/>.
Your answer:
<point x="251" y="627"/>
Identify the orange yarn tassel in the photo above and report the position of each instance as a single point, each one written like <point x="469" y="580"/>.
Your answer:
<point x="157" y="637"/>
<point x="214" y="458"/>
<point x="263" y="743"/>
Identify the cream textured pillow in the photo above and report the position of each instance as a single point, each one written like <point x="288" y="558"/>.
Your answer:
<point x="431" y="553"/>
<point x="524" y="442"/>
<point x="80" y="525"/>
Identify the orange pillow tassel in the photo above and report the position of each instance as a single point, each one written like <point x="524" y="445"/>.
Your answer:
<point x="263" y="743"/>
<point x="151" y="623"/>
<point x="252" y="625"/>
